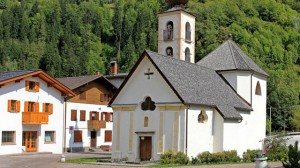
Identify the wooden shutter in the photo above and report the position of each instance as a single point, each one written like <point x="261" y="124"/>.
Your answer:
<point x="37" y="109"/>
<point x="8" y="105"/>
<point x="26" y="106"/>
<point x="101" y="97"/>
<point x="27" y="85"/>
<point x="51" y="108"/>
<point x="77" y="136"/>
<point x="108" y="136"/>
<point x="18" y="106"/>
<point x="82" y="115"/>
<point x="107" y="117"/>
<point x="102" y="116"/>
<point x="73" y="115"/>
<point x="44" y="107"/>
<point x="91" y="114"/>
<point x="97" y="115"/>
<point x="37" y="86"/>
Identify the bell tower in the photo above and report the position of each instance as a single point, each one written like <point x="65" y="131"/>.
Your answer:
<point x="176" y="32"/>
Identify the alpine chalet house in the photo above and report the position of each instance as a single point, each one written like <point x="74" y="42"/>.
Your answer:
<point x="32" y="112"/>
<point x="87" y="112"/>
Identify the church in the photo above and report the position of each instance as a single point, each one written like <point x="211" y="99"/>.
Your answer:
<point x="169" y="102"/>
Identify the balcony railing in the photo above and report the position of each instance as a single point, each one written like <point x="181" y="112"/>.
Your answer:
<point x="96" y="124"/>
<point x="35" y="118"/>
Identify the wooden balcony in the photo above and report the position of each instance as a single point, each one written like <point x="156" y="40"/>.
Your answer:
<point x="35" y="118"/>
<point x="96" y="124"/>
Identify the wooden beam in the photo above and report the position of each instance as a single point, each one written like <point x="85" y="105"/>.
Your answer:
<point x="50" y="84"/>
<point x="17" y="81"/>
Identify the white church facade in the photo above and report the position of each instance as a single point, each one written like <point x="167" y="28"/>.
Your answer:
<point x="168" y="102"/>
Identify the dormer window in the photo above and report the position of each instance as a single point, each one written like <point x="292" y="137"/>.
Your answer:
<point x="168" y="33"/>
<point x="188" y="32"/>
<point x="187" y="55"/>
<point x="169" y="51"/>
<point x="32" y="86"/>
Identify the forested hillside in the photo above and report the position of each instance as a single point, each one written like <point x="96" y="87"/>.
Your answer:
<point x="79" y="37"/>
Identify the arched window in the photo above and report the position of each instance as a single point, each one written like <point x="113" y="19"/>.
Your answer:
<point x="187" y="54"/>
<point x="169" y="51"/>
<point x="188" y="31"/>
<point x="202" y="117"/>
<point x="146" y="121"/>
<point x="168" y="33"/>
<point x="258" y="89"/>
<point x="148" y="104"/>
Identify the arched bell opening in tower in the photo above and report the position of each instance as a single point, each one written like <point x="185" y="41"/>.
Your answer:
<point x="169" y="51"/>
<point x="168" y="32"/>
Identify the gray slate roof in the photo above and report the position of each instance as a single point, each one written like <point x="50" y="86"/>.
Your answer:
<point x="199" y="85"/>
<point x="13" y="74"/>
<point x="117" y="79"/>
<point x="75" y="82"/>
<point x="229" y="56"/>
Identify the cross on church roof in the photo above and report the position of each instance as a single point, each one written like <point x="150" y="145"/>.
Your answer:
<point x="148" y="73"/>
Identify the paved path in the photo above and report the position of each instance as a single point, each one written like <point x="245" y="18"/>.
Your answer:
<point x="51" y="161"/>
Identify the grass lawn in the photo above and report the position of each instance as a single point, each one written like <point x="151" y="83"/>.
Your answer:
<point x="84" y="160"/>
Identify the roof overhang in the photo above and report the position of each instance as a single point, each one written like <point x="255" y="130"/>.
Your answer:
<point x="47" y="78"/>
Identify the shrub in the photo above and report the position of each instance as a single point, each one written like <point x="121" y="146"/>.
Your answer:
<point x="195" y="160"/>
<point x="276" y="148"/>
<point x="218" y="157"/>
<point x="294" y="157"/>
<point x="231" y="156"/>
<point x="226" y="156"/>
<point x="181" y="158"/>
<point x="249" y="155"/>
<point x="167" y="157"/>
<point x="204" y="157"/>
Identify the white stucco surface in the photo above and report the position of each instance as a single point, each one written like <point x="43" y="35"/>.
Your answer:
<point x="13" y="121"/>
<point x="83" y="125"/>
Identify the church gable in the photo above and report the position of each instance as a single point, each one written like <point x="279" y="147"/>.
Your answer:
<point x="144" y="81"/>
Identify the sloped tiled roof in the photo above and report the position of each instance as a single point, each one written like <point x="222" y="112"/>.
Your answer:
<point x="9" y="76"/>
<point x="75" y="82"/>
<point x="13" y="74"/>
<point x="199" y="85"/>
<point x="116" y="79"/>
<point x="229" y="56"/>
<point x="194" y="84"/>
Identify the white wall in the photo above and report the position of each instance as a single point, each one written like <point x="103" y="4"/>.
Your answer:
<point x="138" y="87"/>
<point x="200" y="137"/>
<point x="218" y="127"/>
<point x="13" y="121"/>
<point x="253" y="126"/>
<point x="82" y="125"/>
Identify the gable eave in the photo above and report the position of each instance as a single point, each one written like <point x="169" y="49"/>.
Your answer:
<point x="143" y="55"/>
<point x="44" y="76"/>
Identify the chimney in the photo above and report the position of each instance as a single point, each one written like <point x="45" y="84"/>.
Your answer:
<point x="113" y="68"/>
<point x="98" y="73"/>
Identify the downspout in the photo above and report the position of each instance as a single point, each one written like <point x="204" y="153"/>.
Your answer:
<point x="186" y="128"/>
<point x="251" y="88"/>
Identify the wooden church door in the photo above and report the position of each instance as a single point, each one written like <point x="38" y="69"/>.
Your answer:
<point x="145" y="148"/>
